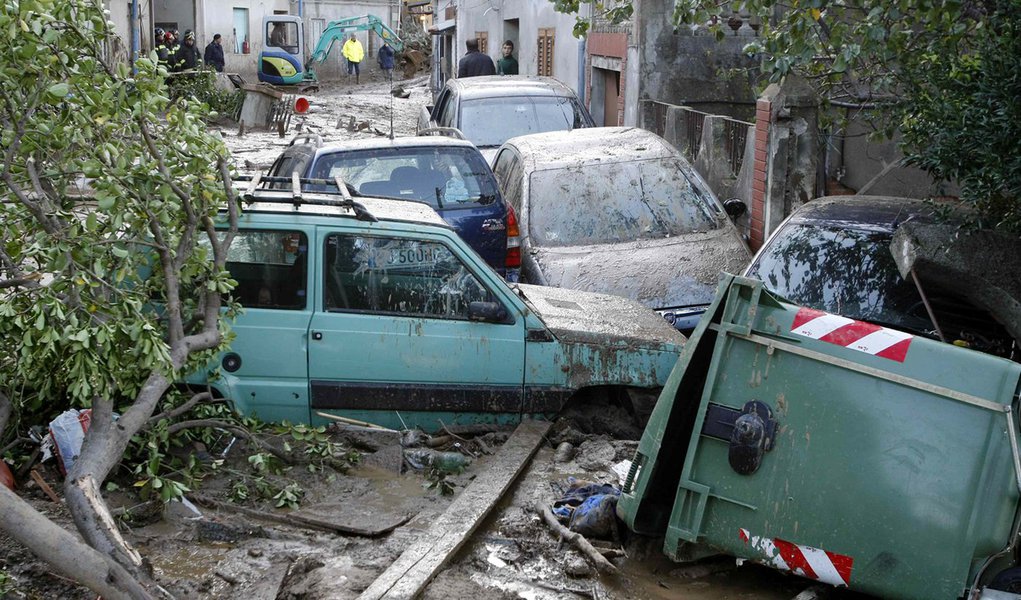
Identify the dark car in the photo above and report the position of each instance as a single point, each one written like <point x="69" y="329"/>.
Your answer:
<point x="491" y="110"/>
<point x="834" y="254"/>
<point x="448" y="174"/>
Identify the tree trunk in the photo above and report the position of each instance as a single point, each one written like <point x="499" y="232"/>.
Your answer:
<point x="64" y="552"/>
<point x="102" y="450"/>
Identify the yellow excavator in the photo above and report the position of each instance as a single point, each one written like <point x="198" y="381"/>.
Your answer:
<point x="282" y="60"/>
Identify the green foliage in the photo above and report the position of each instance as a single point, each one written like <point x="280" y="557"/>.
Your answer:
<point x="201" y="86"/>
<point x="438" y="481"/>
<point x="6" y="583"/>
<point x="105" y="186"/>
<point x="963" y="122"/>
<point x="612" y="11"/>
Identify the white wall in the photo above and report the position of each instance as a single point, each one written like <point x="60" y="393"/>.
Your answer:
<point x="476" y="15"/>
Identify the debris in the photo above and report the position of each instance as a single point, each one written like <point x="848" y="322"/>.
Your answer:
<point x="576" y="539"/>
<point x="816" y="592"/>
<point x="575" y="566"/>
<point x="450" y="462"/>
<point x="226" y="577"/>
<point x="68" y="433"/>
<point x="398" y="91"/>
<point x="297" y="520"/>
<point x="621" y="470"/>
<point x="45" y="487"/>
<point x="595" y="455"/>
<point x="589" y="508"/>
<point x="565" y="452"/>
<point x="6" y="477"/>
<point x="340" y="419"/>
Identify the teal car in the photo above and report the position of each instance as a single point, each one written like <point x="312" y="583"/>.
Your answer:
<point x="376" y="310"/>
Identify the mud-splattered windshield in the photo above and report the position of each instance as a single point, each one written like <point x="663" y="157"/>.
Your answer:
<point x="842" y="271"/>
<point x="443" y="177"/>
<point x="605" y="203"/>
<point x="489" y="122"/>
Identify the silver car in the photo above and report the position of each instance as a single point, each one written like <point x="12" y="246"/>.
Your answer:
<point x="618" y="210"/>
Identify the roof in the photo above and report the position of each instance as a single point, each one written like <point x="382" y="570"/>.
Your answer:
<point x="425" y="141"/>
<point x="382" y="209"/>
<point x="878" y="213"/>
<point x="508" y="85"/>
<point x="590" y="145"/>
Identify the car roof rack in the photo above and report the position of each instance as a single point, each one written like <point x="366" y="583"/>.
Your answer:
<point x="453" y="132"/>
<point x="307" y="138"/>
<point x="295" y="195"/>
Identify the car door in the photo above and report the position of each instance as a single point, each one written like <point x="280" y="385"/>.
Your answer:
<point x="266" y="370"/>
<point x="392" y="343"/>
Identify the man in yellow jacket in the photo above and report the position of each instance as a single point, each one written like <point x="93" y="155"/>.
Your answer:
<point x="354" y="54"/>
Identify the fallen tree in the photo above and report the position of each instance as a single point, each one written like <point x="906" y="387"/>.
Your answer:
<point x="111" y="272"/>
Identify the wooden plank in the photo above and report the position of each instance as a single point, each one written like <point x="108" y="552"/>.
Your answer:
<point x="412" y="571"/>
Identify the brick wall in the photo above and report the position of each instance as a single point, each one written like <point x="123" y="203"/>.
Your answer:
<point x="760" y="177"/>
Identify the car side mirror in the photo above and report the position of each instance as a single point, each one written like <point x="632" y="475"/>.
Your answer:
<point x="489" y="312"/>
<point x="735" y="208"/>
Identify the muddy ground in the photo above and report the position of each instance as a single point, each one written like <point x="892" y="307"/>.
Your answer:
<point x="226" y="554"/>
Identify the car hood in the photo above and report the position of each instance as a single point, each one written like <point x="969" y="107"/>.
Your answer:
<point x="585" y="317"/>
<point x="665" y="273"/>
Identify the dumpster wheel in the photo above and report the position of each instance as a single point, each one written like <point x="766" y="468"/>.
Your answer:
<point x="1007" y="580"/>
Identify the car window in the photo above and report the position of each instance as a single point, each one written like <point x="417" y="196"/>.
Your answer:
<point x="283" y="35"/>
<point x="270" y="268"/>
<point x="444" y="177"/>
<point x="508" y="176"/>
<point x="493" y="121"/>
<point x="604" y="203"/>
<point x="400" y="276"/>
<point x="444" y="110"/>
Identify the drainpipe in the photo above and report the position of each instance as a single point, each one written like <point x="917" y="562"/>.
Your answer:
<point x="136" y="33"/>
<point x="301" y="8"/>
<point x="581" y="71"/>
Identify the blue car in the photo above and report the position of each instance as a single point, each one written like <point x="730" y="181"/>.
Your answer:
<point x="447" y="174"/>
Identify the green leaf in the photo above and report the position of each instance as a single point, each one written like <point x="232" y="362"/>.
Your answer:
<point x="58" y="90"/>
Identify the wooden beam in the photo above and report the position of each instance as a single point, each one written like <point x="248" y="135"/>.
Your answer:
<point x="414" y="569"/>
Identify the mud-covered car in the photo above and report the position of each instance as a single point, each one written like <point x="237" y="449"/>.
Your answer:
<point x="490" y="110"/>
<point x="377" y="310"/>
<point x="838" y="254"/>
<point x="618" y="210"/>
<point x="447" y="174"/>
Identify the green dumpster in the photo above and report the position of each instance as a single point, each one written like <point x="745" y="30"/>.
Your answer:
<point x="837" y="450"/>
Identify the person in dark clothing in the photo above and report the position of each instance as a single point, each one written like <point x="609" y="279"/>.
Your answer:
<point x="508" y="65"/>
<point x="385" y="57"/>
<point x="214" y="54"/>
<point x="187" y="56"/>
<point x="159" y="39"/>
<point x="474" y="63"/>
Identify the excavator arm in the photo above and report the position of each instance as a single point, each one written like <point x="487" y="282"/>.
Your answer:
<point x="336" y="30"/>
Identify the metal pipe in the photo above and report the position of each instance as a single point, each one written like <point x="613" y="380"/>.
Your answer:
<point x="581" y="71"/>
<point x="928" y="307"/>
<point x="136" y="33"/>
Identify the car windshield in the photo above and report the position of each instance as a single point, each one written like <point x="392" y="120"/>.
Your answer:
<point x="605" y="203"/>
<point x="443" y="177"/>
<point x="842" y="271"/>
<point x="489" y="122"/>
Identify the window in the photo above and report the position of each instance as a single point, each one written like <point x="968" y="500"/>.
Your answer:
<point x="442" y="177"/>
<point x="508" y="176"/>
<point x="399" y="276"/>
<point x="283" y="35"/>
<point x="546" y="36"/>
<point x="517" y="115"/>
<point x="270" y="268"/>
<point x="483" y="38"/>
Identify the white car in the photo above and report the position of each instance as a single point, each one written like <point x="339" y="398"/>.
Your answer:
<point x="618" y="210"/>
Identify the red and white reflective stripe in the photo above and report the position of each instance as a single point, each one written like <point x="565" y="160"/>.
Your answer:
<point x="856" y="335"/>
<point x="828" y="567"/>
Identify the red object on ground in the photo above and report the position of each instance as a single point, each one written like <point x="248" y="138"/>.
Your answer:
<point x="6" y="477"/>
<point x="301" y="105"/>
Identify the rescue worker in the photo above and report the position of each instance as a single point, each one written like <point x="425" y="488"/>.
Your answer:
<point x="354" y="54"/>
<point x="160" y="45"/>
<point x="188" y="55"/>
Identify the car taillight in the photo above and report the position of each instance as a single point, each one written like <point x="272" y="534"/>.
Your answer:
<point x="513" y="260"/>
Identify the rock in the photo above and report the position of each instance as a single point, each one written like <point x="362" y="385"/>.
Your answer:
<point x="565" y="452"/>
<point x="595" y="455"/>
